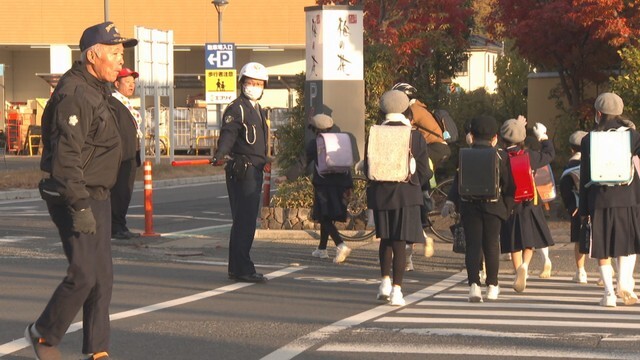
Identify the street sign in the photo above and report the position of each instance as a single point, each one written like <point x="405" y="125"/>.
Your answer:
<point x="219" y="56"/>
<point x="220" y="86"/>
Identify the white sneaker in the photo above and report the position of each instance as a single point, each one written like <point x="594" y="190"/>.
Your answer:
<point x="546" y="270"/>
<point x="428" y="247"/>
<point x="342" y="251"/>
<point x="384" y="290"/>
<point x="520" y="283"/>
<point x="409" y="254"/>
<point x="322" y="254"/>
<point x="492" y="292"/>
<point x="580" y="277"/>
<point x="608" y="300"/>
<point x="396" y="298"/>
<point x="483" y="276"/>
<point x="475" y="293"/>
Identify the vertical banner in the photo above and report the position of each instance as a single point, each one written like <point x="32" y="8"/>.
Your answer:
<point x="334" y="43"/>
<point x="335" y="68"/>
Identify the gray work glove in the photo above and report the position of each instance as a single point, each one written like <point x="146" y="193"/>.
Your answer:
<point x="448" y="209"/>
<point x="83" y="221"/>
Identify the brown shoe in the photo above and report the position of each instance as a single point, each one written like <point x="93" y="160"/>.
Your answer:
<point x="42" y="349"/>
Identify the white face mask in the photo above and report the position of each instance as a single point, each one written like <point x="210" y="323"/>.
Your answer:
<point x="252" y="92"/>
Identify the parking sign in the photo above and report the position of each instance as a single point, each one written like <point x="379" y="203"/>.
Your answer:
<point x="219" y="56"/>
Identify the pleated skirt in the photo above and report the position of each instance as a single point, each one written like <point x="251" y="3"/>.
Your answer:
<point x="525" y="228"/>
<point x="615" y="232"/>
<point x="399" y="224"/>
<point x="329" y="203"/>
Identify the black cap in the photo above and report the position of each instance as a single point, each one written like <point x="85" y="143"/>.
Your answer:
<point x="484" y="127"/>
<point x="104" y="33"/>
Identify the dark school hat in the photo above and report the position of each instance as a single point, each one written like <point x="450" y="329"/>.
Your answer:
<point x="104" y="33"/>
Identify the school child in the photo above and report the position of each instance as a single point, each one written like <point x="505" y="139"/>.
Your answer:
<point x="569" y="185"/>
<point x="396" y="205"/>
<point x="526" y="228"/>
<point x="614" y="211"/>
<point x="482" y="218"/>
<point x="329" y="196"/>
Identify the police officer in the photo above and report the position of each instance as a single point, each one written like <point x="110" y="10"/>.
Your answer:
<point x="243" y="144"/>
<point x="81" y="158"/>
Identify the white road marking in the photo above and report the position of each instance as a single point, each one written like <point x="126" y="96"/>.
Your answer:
<point x="191" y="231"/>
<point x="304" y="343"/>
<point x="16" y="238"/>
<point x="17" y="345"/>
<point x="222" y="263"/>
<point x="490" y="351"/>
<point x="517" y="322"/>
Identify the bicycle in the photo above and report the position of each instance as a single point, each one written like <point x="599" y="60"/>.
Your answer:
<point x="150" y="145"/>
<point x="440" y="226"/>
<point x="359" y="225"/>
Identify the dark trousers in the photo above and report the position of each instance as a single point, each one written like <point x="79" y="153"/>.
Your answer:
<point x="482" y="233"/>
<point x="244" y="199"/>
<point x="88" y="283"/>
<point x="121" y="195"/>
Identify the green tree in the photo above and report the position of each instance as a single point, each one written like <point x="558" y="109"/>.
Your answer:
<point x="627" y="84"/>
<point x="512" y="72"/>
<point x="290" y="146"/>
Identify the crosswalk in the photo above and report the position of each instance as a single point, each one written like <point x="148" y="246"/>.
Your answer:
<point x="552" y="319"/>
<point x="549" y="303"/>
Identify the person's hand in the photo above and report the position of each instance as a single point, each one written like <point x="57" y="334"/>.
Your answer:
<point x="540" y="131"/>
<point x="359" y="168"/>
<point x="83" y="221"/>
<point x="215" y="161"/>
<point x="521" y="119"/>
<point x="448" y="209"/>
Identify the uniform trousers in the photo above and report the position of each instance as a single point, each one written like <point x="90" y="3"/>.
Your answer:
<point x="244" y="199"/>
<point x="482" y="234"/>
<point x="88" y="283"/>
<point x="121" y="195"/>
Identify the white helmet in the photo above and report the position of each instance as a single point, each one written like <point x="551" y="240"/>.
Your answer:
<point x="254" y="70"/>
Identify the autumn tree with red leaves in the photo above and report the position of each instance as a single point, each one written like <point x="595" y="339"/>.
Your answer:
<point x="579" y="39"/>
<point x="418" y="41"/>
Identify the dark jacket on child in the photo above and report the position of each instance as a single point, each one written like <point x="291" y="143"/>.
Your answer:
<point x="396" y="205"/>
<point x="527" y="226"/>
<point x="329" y="190"/>
<point x="614" y="210"/>
<point x="568" y="192"/>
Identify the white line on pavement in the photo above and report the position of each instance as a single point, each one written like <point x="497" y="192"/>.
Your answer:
<point x="304" y="343"/>
<point x="20" y="344"/>
<point x="490" y="351"/>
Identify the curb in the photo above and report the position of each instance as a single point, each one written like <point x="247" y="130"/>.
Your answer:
<point x="26" y="194"/>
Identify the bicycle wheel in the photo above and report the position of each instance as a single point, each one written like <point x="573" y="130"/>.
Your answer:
<point x="440" y="225"/>
<point x="359" y="226"/>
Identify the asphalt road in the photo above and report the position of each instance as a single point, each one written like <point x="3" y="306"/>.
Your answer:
<point x="172" y="299"/>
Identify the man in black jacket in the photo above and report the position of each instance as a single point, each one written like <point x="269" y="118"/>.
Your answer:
<point x="81" y="158"/>
<point x="128" y="123"/>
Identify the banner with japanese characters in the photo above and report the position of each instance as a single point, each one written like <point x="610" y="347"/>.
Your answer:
<point x="334" y="43"/>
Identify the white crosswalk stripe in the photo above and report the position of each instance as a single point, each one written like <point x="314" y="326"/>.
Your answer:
<point x="549" y="310"/>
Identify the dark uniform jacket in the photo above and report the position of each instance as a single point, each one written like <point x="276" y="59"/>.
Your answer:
<point x="598" y="196"/>
<point x="396" y="195"/>
<point x="80" y="136"/>
<point x="244" y="131"/>
<point x="567" y="187"/>
<point x="501" y="208"/>
<point x="127" y="128"/>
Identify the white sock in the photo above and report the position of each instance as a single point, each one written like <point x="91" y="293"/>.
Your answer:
<point x="544" y="253"/>
<point x="606" y="273"/>
<point x="626" y="264"/>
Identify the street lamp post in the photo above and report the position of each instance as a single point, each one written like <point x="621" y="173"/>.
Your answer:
<point x="220" y="5"/>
